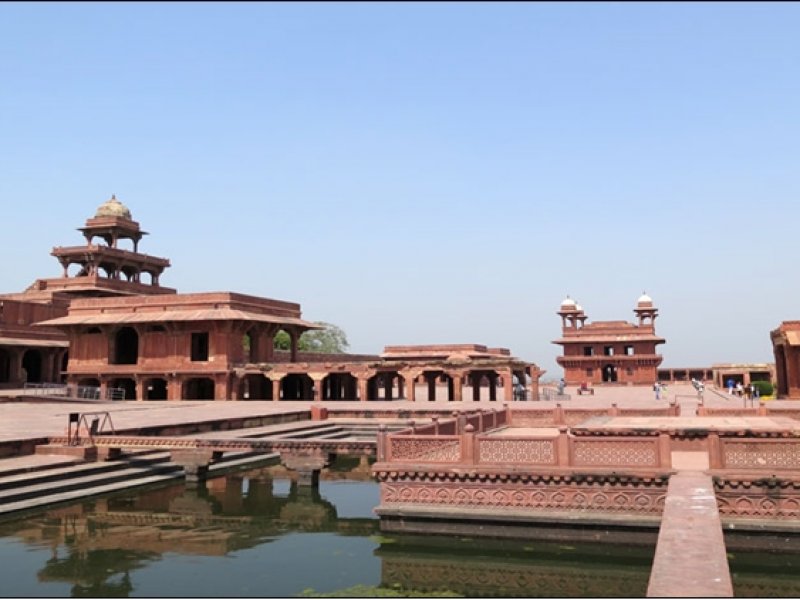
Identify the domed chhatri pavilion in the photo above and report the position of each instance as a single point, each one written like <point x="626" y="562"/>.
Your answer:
<point x="609" y="352"/>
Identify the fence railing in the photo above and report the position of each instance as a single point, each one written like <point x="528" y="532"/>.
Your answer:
<point x="81" y="392"/>
<point x="549" y="394"/>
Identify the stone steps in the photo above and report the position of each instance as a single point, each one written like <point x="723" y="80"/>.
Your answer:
<point x="58" y="483"/>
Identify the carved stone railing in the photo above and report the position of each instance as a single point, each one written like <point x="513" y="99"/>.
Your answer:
<point x="563" y="450"/>
<point x="767" y="452"/>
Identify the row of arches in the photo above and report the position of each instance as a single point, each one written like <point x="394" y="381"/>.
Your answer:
<point x="388" y="385"/>
<point x="28" y="367"/>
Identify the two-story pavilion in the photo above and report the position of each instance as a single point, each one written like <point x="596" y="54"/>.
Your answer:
<point x="606" y="352"/>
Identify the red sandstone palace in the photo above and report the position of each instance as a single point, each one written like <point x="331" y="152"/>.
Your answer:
<point x="107" y="322"/>
<point x="609" y="351"/>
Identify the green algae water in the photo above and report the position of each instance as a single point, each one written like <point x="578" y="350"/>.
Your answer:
<point x="257" y="534"/>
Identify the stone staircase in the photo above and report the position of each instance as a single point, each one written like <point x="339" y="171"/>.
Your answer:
<point x="34" y="487"/>
<point x="27" y="485"/>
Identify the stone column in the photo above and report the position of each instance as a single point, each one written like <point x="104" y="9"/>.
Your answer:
<point x="293" y="345"/>
<point x="456" y="386"/>
<point x="317" y="377"/>
<point x="173" y="387"/>
<point x="362" y="388"/>
<point x="410" y="380"/>
<point x="276" y="389"/>
<point x="508" y="385"/>
<point x="431" y="379"/>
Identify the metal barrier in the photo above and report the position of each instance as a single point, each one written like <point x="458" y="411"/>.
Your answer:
<point x="82" y="392"/>
<point x="96" y="427"/>
<point x="549" y="394"/>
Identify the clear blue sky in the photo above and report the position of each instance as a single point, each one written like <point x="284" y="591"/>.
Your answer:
<point x="424" y="173"/>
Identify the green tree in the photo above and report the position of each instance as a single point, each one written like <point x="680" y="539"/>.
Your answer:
<point x="330" y="340"/>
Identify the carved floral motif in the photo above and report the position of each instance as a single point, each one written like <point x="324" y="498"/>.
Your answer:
<point x="540" y="452"/>
<point x="428" y="450"/>
<point x="777" y="455"/>
<point x="619" y="497"/>
<point x="618" y="453"/>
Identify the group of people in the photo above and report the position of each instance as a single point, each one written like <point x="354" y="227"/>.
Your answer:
<point x="749" y="391"/>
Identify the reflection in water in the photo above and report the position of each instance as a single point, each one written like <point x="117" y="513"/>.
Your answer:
<point x="256" y="533"/>
<point x="481" y="568"/>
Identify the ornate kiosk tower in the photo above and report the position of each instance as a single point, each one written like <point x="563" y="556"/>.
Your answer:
<point x="105" y="269"/>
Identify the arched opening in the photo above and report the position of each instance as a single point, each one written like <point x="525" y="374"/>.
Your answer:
<point x="433" y="378"/>
<point x="32" y="363"/>
<point x="339" y="386"/>
<point x="88" y="387"/>
<point x="126" y="347"/>
<point x="75" y="270"/>
<point x="123" y="388"/>
<point x="198" y="388"/>
<point x="282" y="343"/>
<point x="5" y="366"/>
<point x="155" y="389"/>
<point x="250" y="349"/>
<point x="483" y="385"/>
<point x="109" y="271"/>
<point x="609" y="374"/>
<point x="255" y="387"/>
<point x="297" y="386"/>
<point x="387" y="385"/>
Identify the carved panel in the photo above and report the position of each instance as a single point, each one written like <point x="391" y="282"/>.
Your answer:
<point x="758" y="500"/>
<point x="618" y="497"/>
<point x="537" y="452"/>
<point x="425" y="450"/>
<point x="761" y="455"/>
<point x="640" y="453"/>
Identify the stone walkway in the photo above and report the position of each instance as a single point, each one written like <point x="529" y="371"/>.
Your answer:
<point x="690" y="560"/>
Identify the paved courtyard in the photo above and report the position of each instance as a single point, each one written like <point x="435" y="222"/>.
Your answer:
<point x="23" y="420"/>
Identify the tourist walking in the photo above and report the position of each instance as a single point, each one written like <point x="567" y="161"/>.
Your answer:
<point x="657" y="390"/>
<point x="730" y="387"/>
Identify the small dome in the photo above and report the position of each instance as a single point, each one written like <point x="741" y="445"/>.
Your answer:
<point x="568" y="303"/>
<point x="113" y="208"/>
<point x="645" y="299"/>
